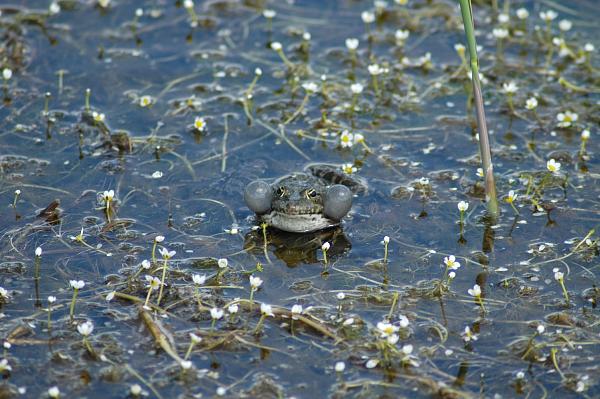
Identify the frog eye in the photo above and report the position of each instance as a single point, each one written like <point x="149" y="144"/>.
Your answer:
<point x="258" y="195"/>
<point x="311" y="193"/>
<point x="281" y="191"/>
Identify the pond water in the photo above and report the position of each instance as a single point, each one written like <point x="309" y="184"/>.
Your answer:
<point x="176" y="106"/>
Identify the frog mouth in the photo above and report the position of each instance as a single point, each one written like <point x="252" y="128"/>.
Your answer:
<point x="299" y="222"/>
<point x="299" y="210"/>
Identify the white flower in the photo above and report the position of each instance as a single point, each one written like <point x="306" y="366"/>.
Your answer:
<point x="451" y="275"/>
<point x="306" y="36"/>
<point x="520" y="375"/>
<point x="585" y="135"/>
<point x="503" y="18"/>
<point x="375" y="69"/>
<point x="325" y="247"/>
<point x="233" y="309"/>
<point x="233" y="231"/>
<point x="340" y="367"/>
<point x="565" y="119"/>
<point x="139" y="12"/>
<point x="296" y="310"/>
<point x="267" y="13"/>
<point x="372" y="363"/>
<point x="589" y="47"/>
<point x="86" y="328"/>
<point x="54" y="8"/>
<point x="475" y="291"/>
<point x="459" y="48"/>
<point x="38" y="251"/>
<point x="108" y="195"/>
<point x="135" y="390"/>
<point x="346" y="139"/>
<point x="358" y="138"/>
<point x="310" y="87"/>
<point x="463" y="206"/>
<point x="553" y="166"/>
<point x="558" y="275"/>
<point x="500" y="33"/>
<point x="266" y="310"/>
<point x="199" y="123"/>
<point x="216" y="313"/>
<point x="255" y="282"/>
<point x="356" y="88"/>
<point x="386" y="329"/>
<point x="159" y="239"/>
<point x="479" y="172"/>
<point x="276" y="46"/>
<point x="166" y="254"/>
<point x="451" y="262"/>
<point x="548" y="15"/>
<point x="4" y="294"/>
<point x="17" y="192"/>
<point x="340" y="296"/>
<point x="522" y="13"/>
<point x="510" y="87"/>
<point x="54" y="392"/>
<point x="51" y="299"/>
<point x="403" y="321"/>
<point x="186" y="364"/>
<point x="393" y="339"/>
<point x="565" y="25"/>
<point x="7" y="73"/>
<point x="468" y="335"/>
<point x="145" y="101"/>
<point x="401" y="35"/>
<point x="195" y="338"/>
<point x="98" y="117"/>
<point x="153" y="282"/>
<point x="223" y="263"/>
<point x="199" y="279"/>
<point x="187" y="4"/>
<point x="380" y="4"/>
<point x="531" y="103"/>
<point x="540" y="329"/>
<point x="352" y="43"/>
<point x="511" y="197"/>
<point x="4" y="366"/>
<point x="424" y="181"/>
<point x="258" y="71"/>
<point x="349" y="168"/>
<point x="407" y="349"/>
<point x="77" y="284"/>
<point x="367" y="17"/>
<point x="146" y="264"/>
<point x="386" y="239"/>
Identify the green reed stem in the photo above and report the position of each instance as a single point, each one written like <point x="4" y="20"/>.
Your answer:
<point x="484" y="141"/>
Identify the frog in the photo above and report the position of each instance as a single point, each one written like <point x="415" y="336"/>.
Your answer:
<point x="304" y="202"/>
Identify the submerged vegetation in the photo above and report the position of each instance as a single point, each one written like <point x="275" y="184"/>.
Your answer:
<point x="130" y="267"/>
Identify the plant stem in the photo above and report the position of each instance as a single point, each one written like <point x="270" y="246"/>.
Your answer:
<point x="162" y="283"/>
<point x="72" y="308"/>
<point x="484" y="143"/>
<point x="148" y="297"/>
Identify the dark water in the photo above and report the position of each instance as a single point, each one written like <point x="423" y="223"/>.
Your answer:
<point x="172" y="180"/>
